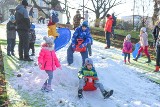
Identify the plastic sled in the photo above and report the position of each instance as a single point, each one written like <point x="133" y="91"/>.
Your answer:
<point x="135" y="52"/>
<point x="63" y="39"/>
<point x="90" y="84"/>
<point x="78" y="49"/>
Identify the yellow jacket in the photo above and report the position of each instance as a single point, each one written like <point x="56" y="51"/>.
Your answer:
<point x="52" y="31"/>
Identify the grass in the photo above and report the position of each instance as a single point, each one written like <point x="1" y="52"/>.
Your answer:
<point x="4" y="42"/>
<point x="134" y="34"/>
<point x="147" y="68"/>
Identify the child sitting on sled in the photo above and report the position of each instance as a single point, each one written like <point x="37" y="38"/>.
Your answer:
<point x="52" y="24"/>
<point x="89" y="70"/>
<point x="127" y="48"/>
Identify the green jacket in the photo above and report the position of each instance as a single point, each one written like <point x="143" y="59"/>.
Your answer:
<point x="85" y="72"/>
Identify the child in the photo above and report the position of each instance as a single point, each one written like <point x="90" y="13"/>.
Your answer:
<point x="32" y="38"/>
<point x="11" y="35"/>
<point x="144" y="44"/>
<point x="127" y="48"/>
<point x="82" y="32"/>
<point x="52" y="24"/>
<point x="89" y="70"/>
<point x="48" y="61"/>
<point x="157" y="54"/>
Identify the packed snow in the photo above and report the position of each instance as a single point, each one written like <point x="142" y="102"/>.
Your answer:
<point x="130" y="88"/>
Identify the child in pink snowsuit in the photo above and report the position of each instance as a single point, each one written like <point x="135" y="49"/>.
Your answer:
<point x="127" y="48"/>
<point x="144" y="44"/>
<point x="48" y="61"/>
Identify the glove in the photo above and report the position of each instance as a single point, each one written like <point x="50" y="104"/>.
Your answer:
<point x="40" y="65"/>
<point x="73" y="46"/>
<point x="60" y="68"/>
<point x="83" y="45"/>
<point x="84" y="78"/>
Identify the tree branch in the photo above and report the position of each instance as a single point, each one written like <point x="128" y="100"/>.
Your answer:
<point x="39" y="8"/>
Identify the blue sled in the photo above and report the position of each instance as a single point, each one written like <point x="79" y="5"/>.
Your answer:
<point x="63" y="39"/>
<point x="135" y="52"/>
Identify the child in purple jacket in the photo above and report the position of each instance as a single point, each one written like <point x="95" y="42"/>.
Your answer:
<point x="127" y="48"/>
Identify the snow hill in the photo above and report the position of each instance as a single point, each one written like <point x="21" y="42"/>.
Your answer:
<point x="130" y="88"/>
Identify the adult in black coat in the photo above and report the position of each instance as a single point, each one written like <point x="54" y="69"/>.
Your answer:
<point x="23" y="26"/>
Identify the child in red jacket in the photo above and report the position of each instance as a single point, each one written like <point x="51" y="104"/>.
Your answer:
<point x="48" y="61"/>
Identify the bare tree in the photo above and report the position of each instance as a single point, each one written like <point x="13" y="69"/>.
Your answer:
<point x="102" y="7"/>
<point x="143" y="7"/>
<point x="156" y="13"/>
<point x="39" y="8"/>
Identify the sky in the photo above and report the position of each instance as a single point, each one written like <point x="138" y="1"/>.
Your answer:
<point x="124" y="9"/>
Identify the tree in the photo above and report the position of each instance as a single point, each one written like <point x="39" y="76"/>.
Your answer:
<point x="156" y="13"/>
<point x="39" y="8"/>
<point x="143" y="9"/>
<point x="102" y="7"/>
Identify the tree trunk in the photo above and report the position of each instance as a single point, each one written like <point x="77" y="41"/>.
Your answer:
<point x="39" y="8"/>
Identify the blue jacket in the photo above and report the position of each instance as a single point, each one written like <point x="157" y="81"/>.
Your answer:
<point x="22" y="18"/>
<point x="80" y="34"/>
<point x="85" y="72"/>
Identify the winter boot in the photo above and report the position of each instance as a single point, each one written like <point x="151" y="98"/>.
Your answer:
<point x="125" y="61"/>
<point x="149" y="59"/>
<point x="43" y="87"/>
<point x="32" y="54"/>
<point x="107" y="94"/>
<point x="8" y="53"/>
<point x="48" y="88"/>
<point x="129" y="61"/>
<point x="12" y="53"/>
<point x="136" y="57"/>
<point x="80" y="95"/>
<point x="157" y="69"/>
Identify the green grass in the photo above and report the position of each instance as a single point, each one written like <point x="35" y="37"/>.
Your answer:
<point x="4" y="42"/>
<point x="134" y="34"/>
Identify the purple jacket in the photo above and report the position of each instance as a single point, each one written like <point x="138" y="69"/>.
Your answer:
<point x="127" y="46"/>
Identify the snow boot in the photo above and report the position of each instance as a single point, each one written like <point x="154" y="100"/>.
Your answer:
<point x="149" y="59"/>
<point x="48" y="88"/>
<point x="107" y="94"/>
<point x="129" y="61"/>
<point x="32" y="54"/>
<point x="43" y="87"/>
<point x="8" y="53"/>
<point x="136" y="57"/>
<point x="157" y="69"/>
<point x="12" y="53"/>
<point x="125" y="61"/>
<point x="80" y="95"/>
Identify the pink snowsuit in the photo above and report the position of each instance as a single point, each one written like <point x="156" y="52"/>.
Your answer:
<point x="48" y="59"/>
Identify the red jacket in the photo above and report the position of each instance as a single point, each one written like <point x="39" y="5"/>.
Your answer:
<point x="48" y="59"/>
<point x="108" y="25"/>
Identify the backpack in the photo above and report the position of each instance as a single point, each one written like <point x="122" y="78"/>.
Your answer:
<point x="114" y="21"/>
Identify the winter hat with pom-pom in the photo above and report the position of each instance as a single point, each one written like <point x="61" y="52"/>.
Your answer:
<point x="88" y="61"/>
<point x="128" y="37"/>
<point x="48" y="40"/>
<point x="143" y="29"/>
<point x="12" y="18"/>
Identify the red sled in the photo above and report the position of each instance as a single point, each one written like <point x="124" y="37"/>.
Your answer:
<point x="90" y="84"/>
<point x="78" y="49"/>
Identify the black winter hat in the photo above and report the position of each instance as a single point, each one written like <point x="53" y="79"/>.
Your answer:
<point x="24" y="2"/>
